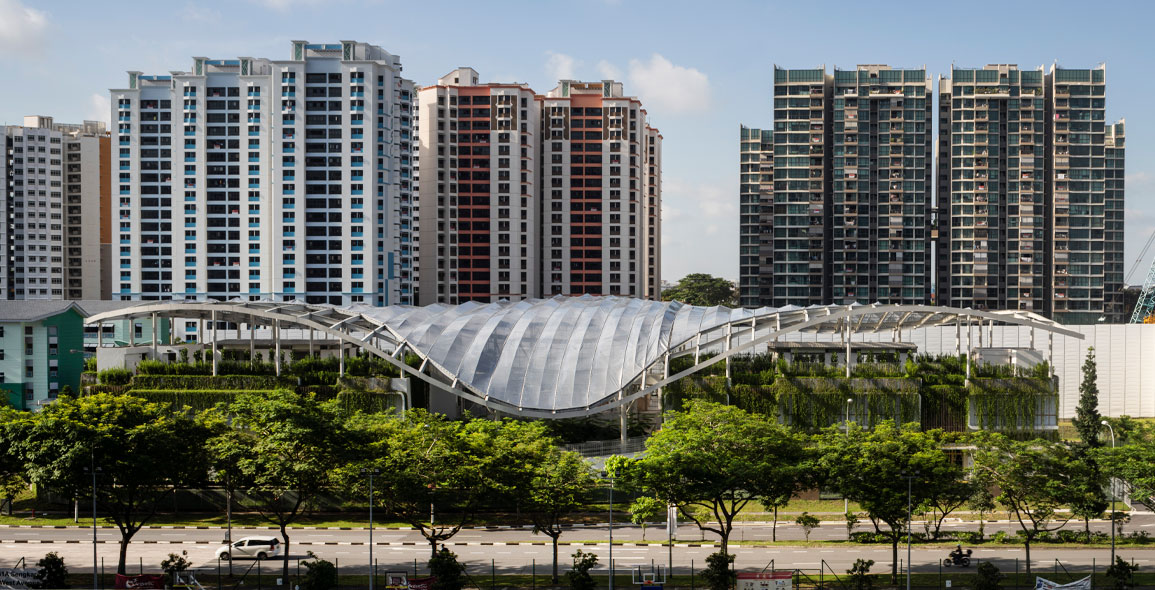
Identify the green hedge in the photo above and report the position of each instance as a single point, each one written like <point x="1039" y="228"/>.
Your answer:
<point x="208" y="382"/>
<point x="114" y="376"/>
<point x="198" y="400"/>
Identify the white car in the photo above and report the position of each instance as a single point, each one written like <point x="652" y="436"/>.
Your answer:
<point x="252" y="547"/>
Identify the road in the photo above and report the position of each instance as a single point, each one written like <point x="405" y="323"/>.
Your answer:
<point x="517" y="551"/>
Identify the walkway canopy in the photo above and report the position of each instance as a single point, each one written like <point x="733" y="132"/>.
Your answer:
<point x="566" y="356"/>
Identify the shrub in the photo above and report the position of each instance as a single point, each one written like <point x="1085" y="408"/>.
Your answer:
<point x="860" y="574"/>
<point x="987" y="576"/>
<point x="718" y="574"/>
<point x="114" y="376"/>
<point x="320" y="574"/>
<point x="808" y="522"/>
<point x="175" y="564"/>
<point x="1121" y="573"/>
<point x="52" y="573"/>
<point x="579" y="577"/>
<point x="448" y="573"/>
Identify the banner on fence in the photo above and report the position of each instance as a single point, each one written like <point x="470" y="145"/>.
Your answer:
<point x="145" y="582"/>
<point x="421" y="583"/>
<point x="396" y="580"/>
<point x="765" y="580"/>
<point x="1044" y="584"/>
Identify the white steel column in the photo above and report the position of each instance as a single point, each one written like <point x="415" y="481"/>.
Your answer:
<point x="214" y="320"/>
<point x="252" y="341"/>
<point x="154" y="351"/>
<point x="277" y="343"/>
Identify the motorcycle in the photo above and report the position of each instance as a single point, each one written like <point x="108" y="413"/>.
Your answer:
<point x="959" y="558"/>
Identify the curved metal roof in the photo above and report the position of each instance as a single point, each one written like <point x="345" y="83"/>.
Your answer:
<point x="565" y="356"/>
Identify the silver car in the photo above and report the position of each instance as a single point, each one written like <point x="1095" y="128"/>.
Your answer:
<point x="252" y="547"/>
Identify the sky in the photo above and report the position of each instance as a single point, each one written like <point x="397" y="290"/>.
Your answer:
<point x="701" y="69"/>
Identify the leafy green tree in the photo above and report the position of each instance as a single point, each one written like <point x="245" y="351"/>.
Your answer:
<point x="1087" y="419"/>
<point x="808" y="522"/>
<point x="579" y="577"/>
<point x="1034" y="479"/>
<point x="433" y="464"/>
<point x="286" y="445"/>
<point x="775" y="503"/>
<point x="52" y="573"/>
<point x="448" y="573"/>
<point x="13" y="475"/>
<point x="717" y="458"/>
<point x="1132" y="463"/>
<point x="645" y="509"/>
<point x="873" y="467"/>
<point x="143" y="452"/>
<point x="851" y="521"/>
<point x="987" y="577"/>
<point x="701" y="289"/>
<point x="718" y="573"/>
<point x="983" y="502"/>
<point x="561" y="482"/>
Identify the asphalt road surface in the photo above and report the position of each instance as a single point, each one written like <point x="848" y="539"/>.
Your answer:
<point x="517" y="550"/>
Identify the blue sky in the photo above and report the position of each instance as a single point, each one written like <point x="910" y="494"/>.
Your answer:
<point x="701" y="68"/>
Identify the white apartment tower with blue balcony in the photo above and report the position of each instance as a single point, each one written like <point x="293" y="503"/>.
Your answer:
<point x="262" y="179"/>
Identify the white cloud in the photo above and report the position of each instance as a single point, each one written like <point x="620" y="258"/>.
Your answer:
<point x="99" y="108"/>
<point x="609" y="71"/>
<point x="22" y="29"/>
<point x="560" y="66"/>
<point x="197" y="13"/>
<point x="665" y="87"/>
<point x="699" y="228"/>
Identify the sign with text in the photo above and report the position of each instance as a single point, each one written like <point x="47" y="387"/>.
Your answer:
<point x="765" y="580"/>
<point x="1044" y="584"/>
<point x="145" y="582"/>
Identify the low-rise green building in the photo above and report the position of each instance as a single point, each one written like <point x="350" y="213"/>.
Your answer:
<point x="41" y="350"/>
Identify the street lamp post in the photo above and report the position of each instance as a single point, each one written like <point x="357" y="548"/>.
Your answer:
<point x="92" y="470"/>
<point x="611" y="478"/>
<point x="845" y="500"/>
<point x="909" y="483"/>
<point x="372" y="569"/>
<point x="1112" y="519"/>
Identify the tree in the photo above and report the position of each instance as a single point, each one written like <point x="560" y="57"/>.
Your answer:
<point x="13" y="475"/>
<point x="286" y="445"/>
<point x="433" y="464"/>
<point x="873" y="467"/>
<point x="1034" y="479"/>
<point x="983" y="502"/>
<point x="717" y="458"/>
<point x="808" y="522"/>
<point x="1132" y="463"/>
<point x="774" y="504"/>
<point x="851" y="520"/>
<point x="1087" y="419"/>
<point x="559" y="487"/>
<point x="645" y="509"/>
<point x="142" y="453"/>
<point x="701" y="289"/>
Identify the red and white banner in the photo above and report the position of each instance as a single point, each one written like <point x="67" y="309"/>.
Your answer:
<point x="765" y="580"/>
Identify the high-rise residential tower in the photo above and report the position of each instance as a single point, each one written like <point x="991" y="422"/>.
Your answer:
<point x="756" y="221"/>
<point x="526" y="195"/>
<point x="480" y="152"/>
<point x="1086" y="227"/>
<point x="992" y="189"/>
<point x="55" y="200"/>
<point x="847" y="218"/>
<point x="260" y="178"/>
<point x="801" y="217"/>
<point x="881" y="164"/>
